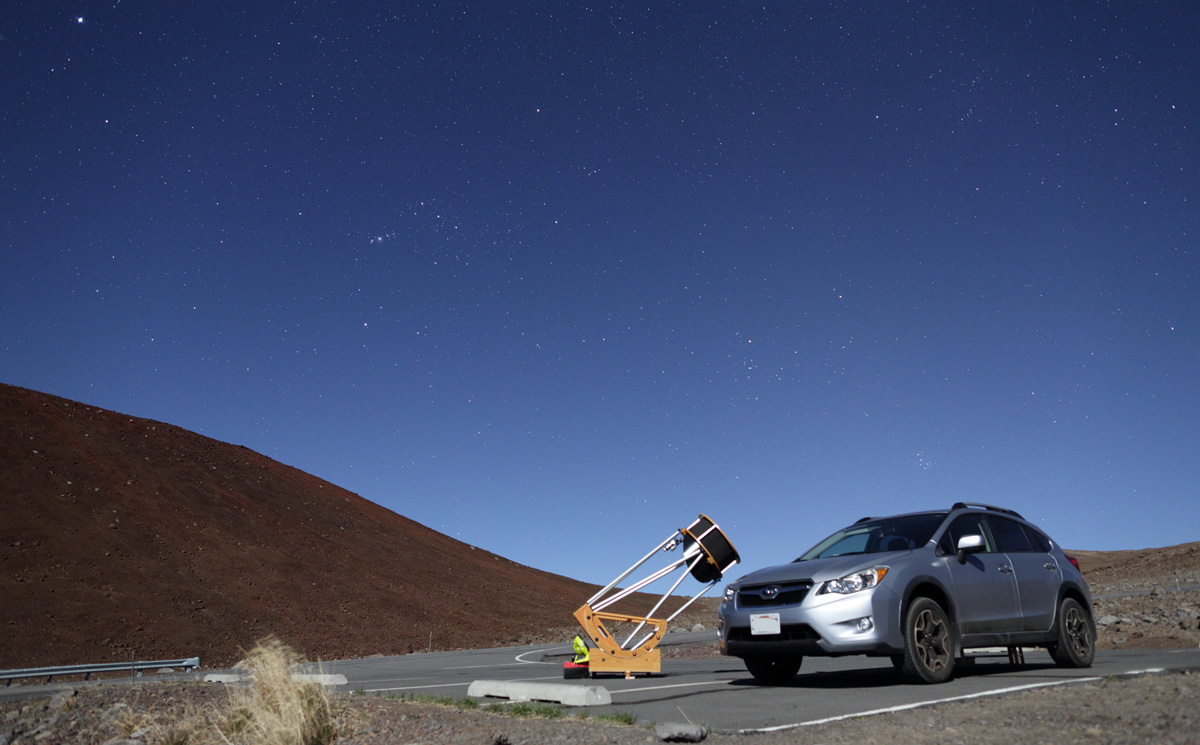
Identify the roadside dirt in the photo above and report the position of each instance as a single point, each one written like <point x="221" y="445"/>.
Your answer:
<point x="1163" y="709"/>
<point x="1136" y="710"/>
<point x="1140" y="600"/>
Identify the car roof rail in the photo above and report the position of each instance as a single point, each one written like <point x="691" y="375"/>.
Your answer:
<point x="981" y="505"/>
<point x="863" y="520"/>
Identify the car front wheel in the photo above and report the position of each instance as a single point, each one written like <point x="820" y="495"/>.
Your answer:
<point x="1076" y="645"/>
<point x="928" y="643"/>
<point x="773" y="670"/>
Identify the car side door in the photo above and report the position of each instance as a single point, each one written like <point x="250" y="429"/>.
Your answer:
<point x="1037" y="573"/>
<point x="985" y="590"/>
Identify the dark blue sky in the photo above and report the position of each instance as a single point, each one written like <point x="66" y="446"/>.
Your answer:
<point x="552" y="278"/>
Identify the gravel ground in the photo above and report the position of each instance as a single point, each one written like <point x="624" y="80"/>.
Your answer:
<point x="1166" y="620"/>
<point x="1159" y="709"/>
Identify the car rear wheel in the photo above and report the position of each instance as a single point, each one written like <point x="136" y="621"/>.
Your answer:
<point x="773" y="670"/>
<point x="1076" y="645"/>
<point x="928" y="643"/>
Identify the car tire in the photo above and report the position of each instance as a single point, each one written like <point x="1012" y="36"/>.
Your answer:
<point x="929" y="645"/>
<point x="1076" y="645"/>
<point x="773" y="670"/>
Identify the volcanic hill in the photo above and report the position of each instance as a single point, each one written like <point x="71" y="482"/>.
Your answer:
<point x="124" y="537"/>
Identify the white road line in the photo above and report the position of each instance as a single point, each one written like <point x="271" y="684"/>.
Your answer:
<point x="552" y="677"/>
<point x="449" y="685"/>
<point x="676" y="685"/>
<point x="477" y="667"/>
<point x="917" y="705"/>
<point x="409" y="688"/>
<point x="538" y="651"/>
<point x="357" y="682"/>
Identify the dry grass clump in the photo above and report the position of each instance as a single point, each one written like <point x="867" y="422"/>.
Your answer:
<point x="270" y="708"/>
<point x="275" y="709"/>
<point x="129" y="722"/>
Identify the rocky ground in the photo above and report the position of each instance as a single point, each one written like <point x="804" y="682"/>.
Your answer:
<point x="1142" y="598"/>
<point x="1158" y="709"/>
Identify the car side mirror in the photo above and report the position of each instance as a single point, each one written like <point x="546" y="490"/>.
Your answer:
<point x="969" y="544"/>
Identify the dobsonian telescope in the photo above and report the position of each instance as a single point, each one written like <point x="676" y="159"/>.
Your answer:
<point x="707" y="555"/>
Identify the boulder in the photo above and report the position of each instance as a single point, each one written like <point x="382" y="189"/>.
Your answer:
<point x="62" y="700"/>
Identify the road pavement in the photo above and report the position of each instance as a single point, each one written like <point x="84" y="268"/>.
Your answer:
<point x="718" y="693"/>
<point x="721" y="694"/>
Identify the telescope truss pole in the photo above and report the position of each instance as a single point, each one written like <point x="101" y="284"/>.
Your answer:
<point x="673" y="541"/>
<point x="639" y="585"/>
<point x="662" y="600"/>
<point x="682" y="608"/>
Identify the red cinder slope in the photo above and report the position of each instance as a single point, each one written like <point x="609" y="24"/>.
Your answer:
<point x="124" y="537"/>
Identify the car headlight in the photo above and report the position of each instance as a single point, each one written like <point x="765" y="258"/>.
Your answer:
<point x="856" y="582"/>
<point x="730" y="594"/>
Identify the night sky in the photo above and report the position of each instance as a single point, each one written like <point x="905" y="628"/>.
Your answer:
<point x="553" y="278"/>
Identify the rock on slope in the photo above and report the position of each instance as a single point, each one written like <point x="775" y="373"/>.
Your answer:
<point x="1145" y="598"/>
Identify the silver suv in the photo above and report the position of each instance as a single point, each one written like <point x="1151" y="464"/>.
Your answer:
<point x="918" y="588"/>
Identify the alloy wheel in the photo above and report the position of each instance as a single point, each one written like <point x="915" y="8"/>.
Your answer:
<point x="932" y="638"/>
<point x="1078" y="632"/>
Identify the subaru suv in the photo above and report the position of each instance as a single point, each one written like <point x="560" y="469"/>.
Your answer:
<point x="918" y="588"/>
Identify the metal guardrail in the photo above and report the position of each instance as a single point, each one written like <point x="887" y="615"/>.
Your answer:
<point x="87" y="670"/>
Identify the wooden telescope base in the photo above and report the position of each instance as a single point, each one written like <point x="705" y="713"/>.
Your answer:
<point x="610" y="657"/>
<point x="646" y="664"/>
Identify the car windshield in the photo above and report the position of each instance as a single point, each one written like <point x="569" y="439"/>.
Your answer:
<point x="878" y="536"/>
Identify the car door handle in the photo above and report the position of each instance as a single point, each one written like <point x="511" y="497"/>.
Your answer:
<point x="1050" y="565"/>
<point x="1005" y="569"/>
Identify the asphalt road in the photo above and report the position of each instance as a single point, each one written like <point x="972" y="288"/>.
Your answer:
<point x="720" y="693"/>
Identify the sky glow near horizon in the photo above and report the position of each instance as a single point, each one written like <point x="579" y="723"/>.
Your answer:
<point x="553" y="278"/>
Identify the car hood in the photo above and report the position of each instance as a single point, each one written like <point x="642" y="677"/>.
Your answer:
<point x="819" y="570"/>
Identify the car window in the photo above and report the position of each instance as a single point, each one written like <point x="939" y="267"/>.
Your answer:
<point x="855" y="543"/>
<point x="964" y="525"/>
<point x="1010" y="537"/>
<point x="875" y="536"/>
<point x="1040" y="542"/>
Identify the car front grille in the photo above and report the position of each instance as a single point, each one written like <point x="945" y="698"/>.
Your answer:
<point x="800" y="632"/>
<point x="782" y="593"/>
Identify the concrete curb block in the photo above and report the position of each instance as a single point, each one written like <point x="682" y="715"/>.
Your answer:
<point x="325" y="679"/>
<point x="320" y="679"/>
<point x="675" y="732"/>
<point x="560" y="693"/>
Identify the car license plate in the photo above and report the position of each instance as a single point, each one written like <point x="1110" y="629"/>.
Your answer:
<point x="764" y="623"/>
